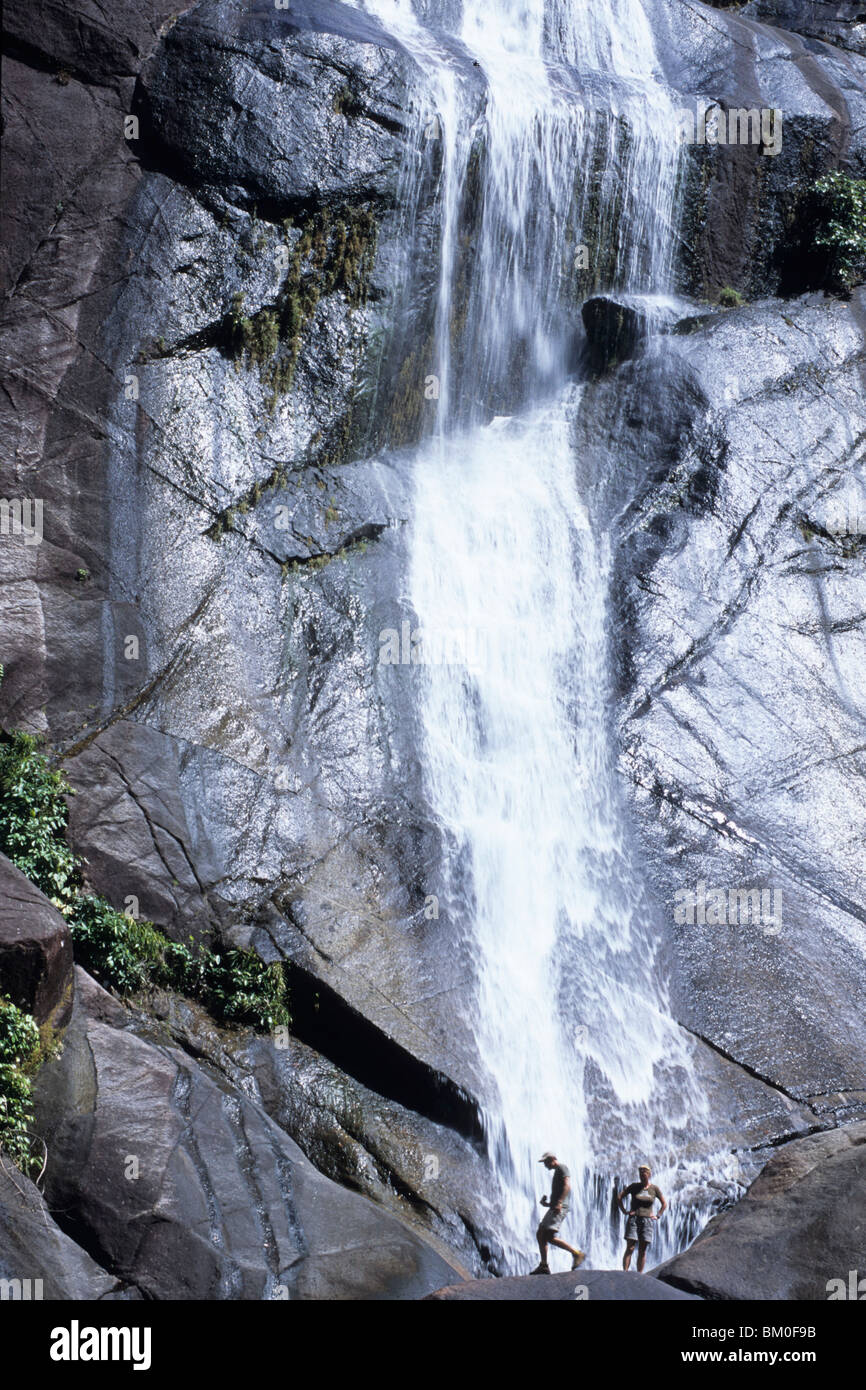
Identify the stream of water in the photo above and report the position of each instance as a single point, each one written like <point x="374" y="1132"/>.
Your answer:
<point x="578" y="148"/>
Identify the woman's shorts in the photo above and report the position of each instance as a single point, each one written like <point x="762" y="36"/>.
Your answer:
<point x="640" y="1228"/>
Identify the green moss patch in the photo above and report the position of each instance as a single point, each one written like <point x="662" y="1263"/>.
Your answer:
<point x="333" y="254"/>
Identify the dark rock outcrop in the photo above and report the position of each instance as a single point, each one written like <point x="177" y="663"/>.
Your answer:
<point x="838" y="22"/>
<point x="590" y="1285"/>
<point x="425" y="1172"/>
<point x="348" y="119"/>
<point x="740" y="204"/>
<point x="35" y="950"/>
<point x="800" y="1227"/>
<point x="618" y="326"/>
<point x="182" y="1187"/>
<point x="33" y="1248"/>
<point x="614" y="331"/>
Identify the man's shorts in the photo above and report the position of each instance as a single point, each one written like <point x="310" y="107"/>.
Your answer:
<point x="640" y="1228"/>
<point x="551" y="1222"/>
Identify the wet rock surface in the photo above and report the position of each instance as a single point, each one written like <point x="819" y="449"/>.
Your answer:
<point x="797" y="1234"/>
<point x="741" y="647"/>
<point x="740" y="203"/>
<point x="841" y="24"/>
<point x="184" y="1189"/>
<point x="614" y="331"/>
<point x="421" y="1170"/>
<point x="339" y="96"/>
<point x="131" y="826"/>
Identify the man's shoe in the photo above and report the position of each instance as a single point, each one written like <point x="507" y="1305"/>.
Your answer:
<point x="578" y="1259"/>
<point x="541" y="1269"/>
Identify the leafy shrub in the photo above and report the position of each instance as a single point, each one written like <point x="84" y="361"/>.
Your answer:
<point x="241" y="988"/>
<point x="120" y="952"/>
<point x="131" y="956"/>
<point x="20" y="1046"/>
<point x="19" y="1034"/>
<point x="33" y="817"/>
<point x="839" y="211"/>
<point x="826" y="246"/>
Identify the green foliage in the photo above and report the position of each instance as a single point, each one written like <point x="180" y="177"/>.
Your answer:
<point x="131" y="956"/>
<point x="126" y="955"/>
<point x="20" y="1046"/>
<point x="33" y="817"/>
<point x="120" y="952"/>
<point x="239" y="987"/>
<point x="839" y="211"/>
<point x="730" y="299"/>
<point x="19" y="1035"/>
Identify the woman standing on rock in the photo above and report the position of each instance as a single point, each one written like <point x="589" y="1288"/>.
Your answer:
<point x="638" y="1228"/>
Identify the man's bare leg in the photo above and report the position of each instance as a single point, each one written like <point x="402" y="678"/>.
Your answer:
<point x="641" y="1256"/>
<point x="542" y="1245"/>
<point x="629" y="1251"/>
<point x="563" y="1245"/>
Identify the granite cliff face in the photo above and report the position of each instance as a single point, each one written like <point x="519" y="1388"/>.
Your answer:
<point x="743" y="643"/>
<point x="217" y="327"/>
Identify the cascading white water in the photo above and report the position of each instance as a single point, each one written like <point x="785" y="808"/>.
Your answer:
<point x="573" y="1024"/>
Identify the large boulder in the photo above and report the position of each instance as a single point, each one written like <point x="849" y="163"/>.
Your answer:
<point x="181" y="1186"/>
<point x="343" y="139"/>
<point x="35" y="949"/>
<point x="590" y="1286"/>
<point x="800" y="1227"/>
<point x="614" y="331"/>
<point x="36" y="1258"/>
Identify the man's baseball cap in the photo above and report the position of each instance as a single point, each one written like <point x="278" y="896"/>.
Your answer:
<point x="547" y="1155"/>
<point x="644" y="1168"/>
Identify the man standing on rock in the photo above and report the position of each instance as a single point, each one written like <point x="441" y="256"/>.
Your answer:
<point x="639" y="1226"/>
<point x="557" y="1209"/>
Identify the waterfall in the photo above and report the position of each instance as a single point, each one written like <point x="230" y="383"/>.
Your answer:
<point x="508" y="580"/>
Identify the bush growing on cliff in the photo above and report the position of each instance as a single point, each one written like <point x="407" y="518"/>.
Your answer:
<point x="840" y="213"/>
<point x="132" y="956"/>
<point x="33" y="817"/>
<point x="827" y="245"/>
<point x="126" y="955"/>
<point x="729" y="298"/>
<point x="20" y="1046"/>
